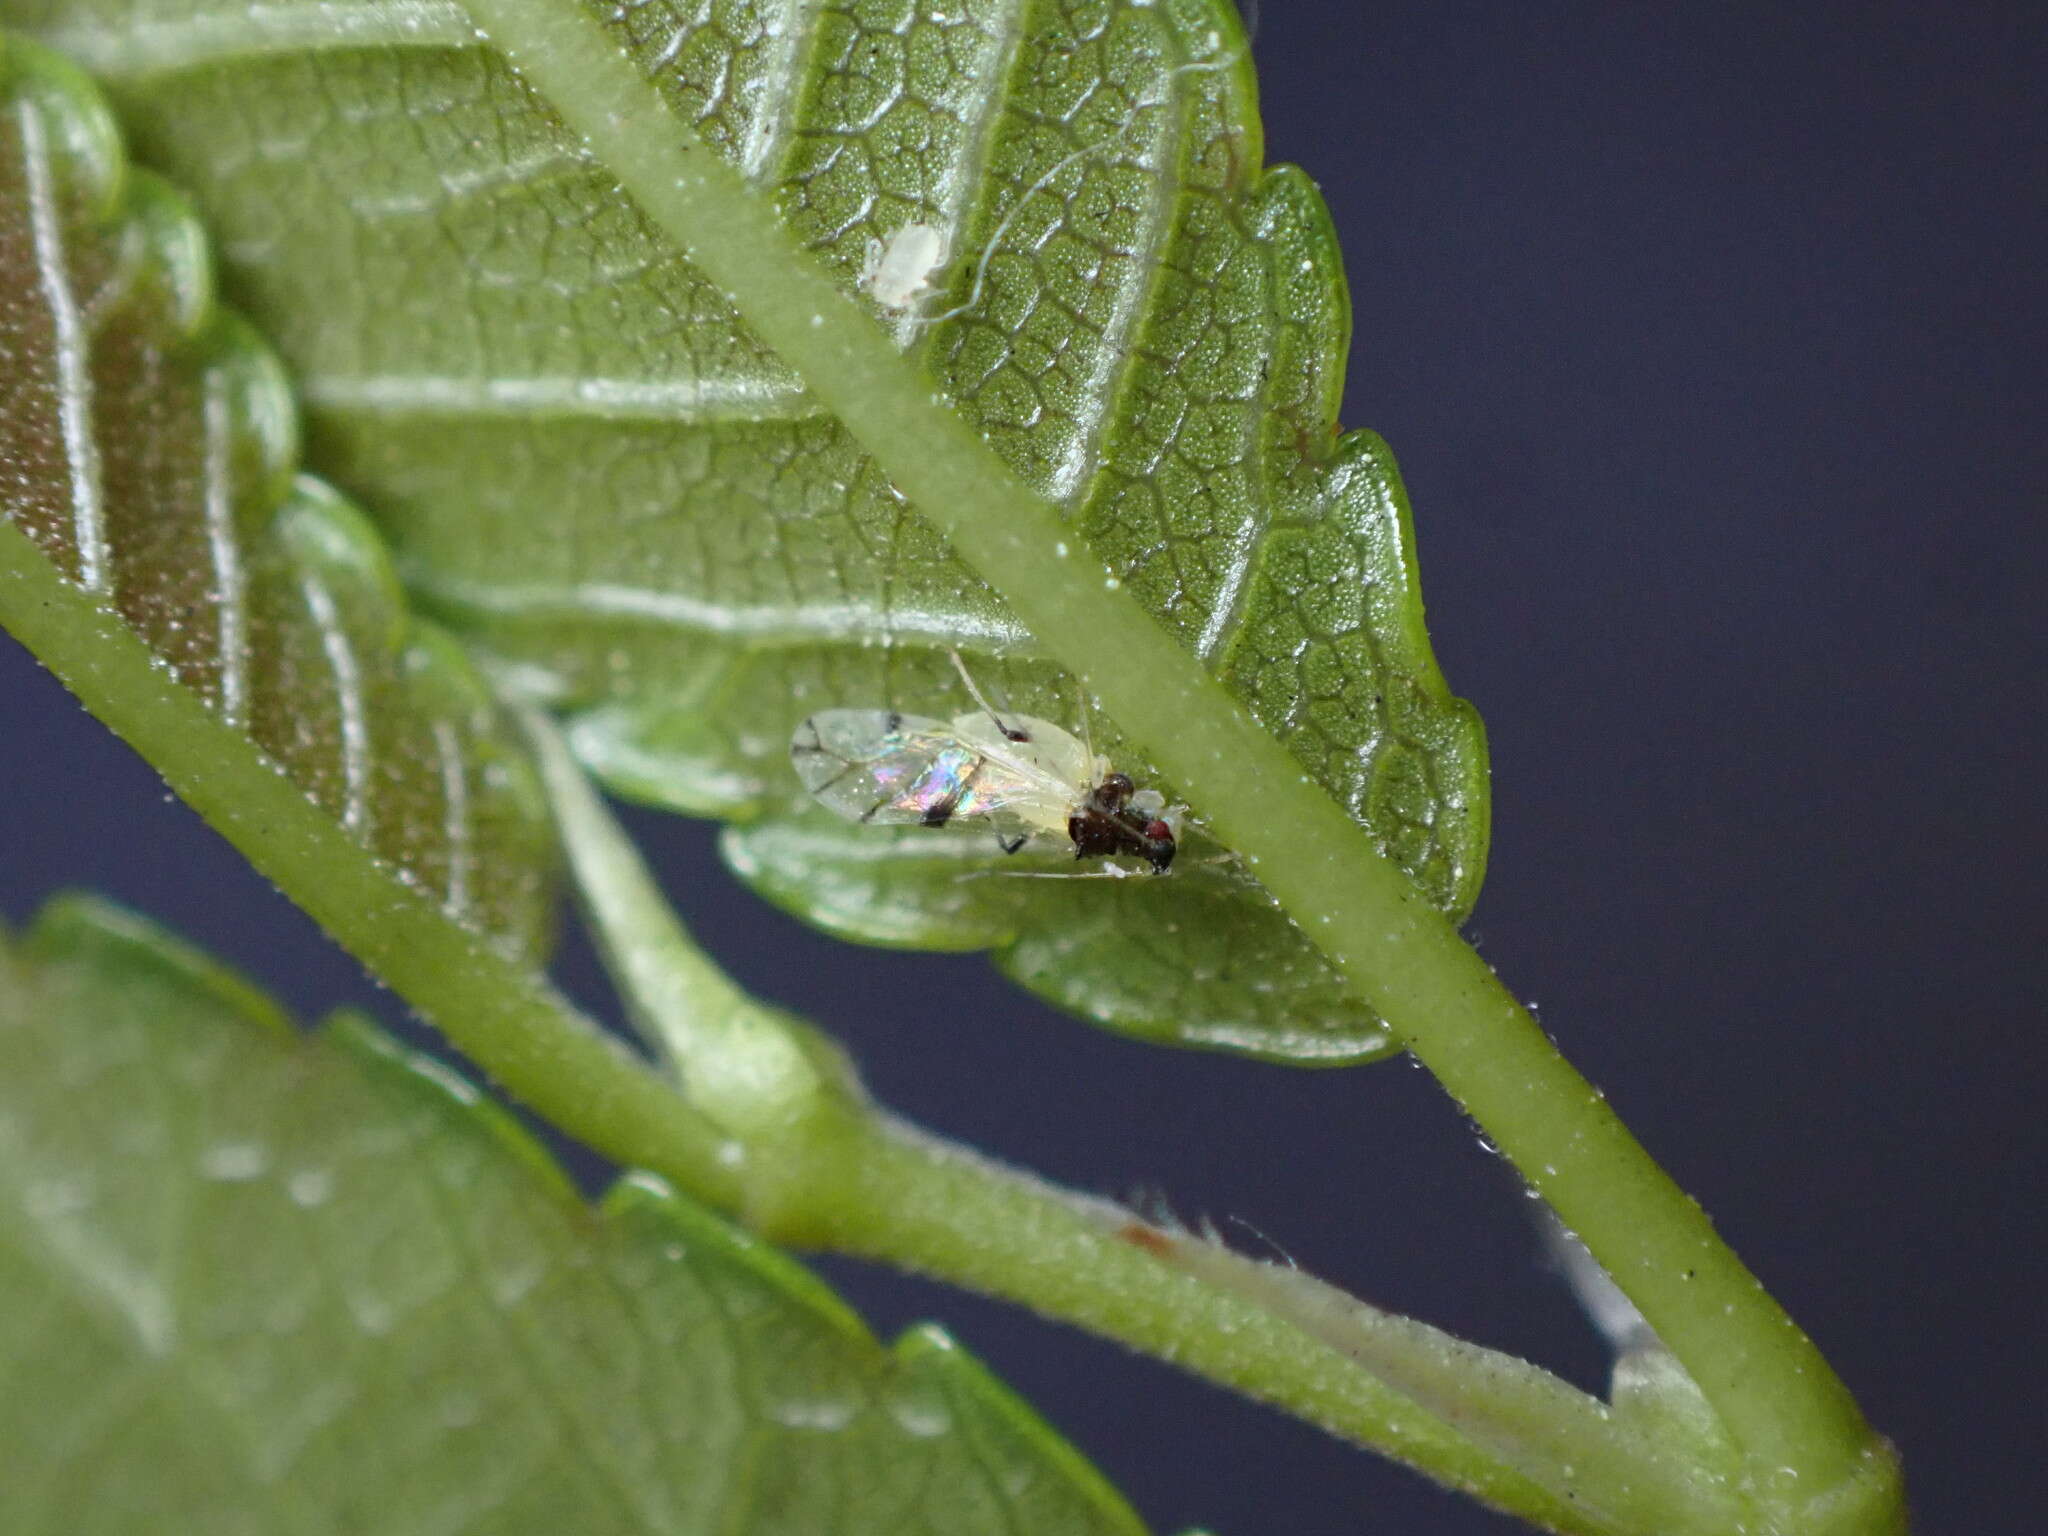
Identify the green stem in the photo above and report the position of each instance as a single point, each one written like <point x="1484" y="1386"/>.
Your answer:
<point x="1501" y="1430"/>
<point x="1781" y="1402"/>
<point x="740" y="1063"/>
<point x="825" y="1169"/>
<point x="544" y="1052"/>
<point x="770" y="1133"/>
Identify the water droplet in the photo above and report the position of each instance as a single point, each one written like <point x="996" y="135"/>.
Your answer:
<point x="310" y="1187"/>
<point x="58" y="1197"/>
<point x="234" y="1162"/>
<point x="459" y="1410"/>
<point x="925" y="1417"/>
<point x="828" y="1413"/>
<point x="515" y="1282"/>
<point x="373" y="1315"/>
<point x="1112" y="584"/>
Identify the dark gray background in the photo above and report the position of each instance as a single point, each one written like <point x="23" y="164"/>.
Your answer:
<point x="1709" y="340"/>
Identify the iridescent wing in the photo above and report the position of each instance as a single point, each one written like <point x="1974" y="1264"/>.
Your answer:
<point x="874" y="765"/>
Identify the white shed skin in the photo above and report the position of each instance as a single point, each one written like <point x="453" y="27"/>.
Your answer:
<point x="896" y="276"/>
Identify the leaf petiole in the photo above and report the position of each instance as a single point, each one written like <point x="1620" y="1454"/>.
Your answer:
<point x="821" y="1167"/>
<point x="1808" y="1448"/>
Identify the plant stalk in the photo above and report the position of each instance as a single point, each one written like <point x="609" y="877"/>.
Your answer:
<point x="826" y="1169"/>
<point x="1800" y="1430"/>
<point x="546" y="1055"/>
<point x="1503" y="1431"/>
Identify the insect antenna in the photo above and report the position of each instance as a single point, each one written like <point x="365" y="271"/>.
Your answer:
<point x="1002" y="228"/>
<point x="1107" y="872"/>
<point x="1087" y="719"/>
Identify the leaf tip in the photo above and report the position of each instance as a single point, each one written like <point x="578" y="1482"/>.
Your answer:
<point x="82" y="139"/>
<point x="81" y="928"/>
<point x="381" y="1055"/>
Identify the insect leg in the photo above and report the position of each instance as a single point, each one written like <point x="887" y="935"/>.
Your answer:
<point x="986" y="708"/>
<point x="1012" y="844"/>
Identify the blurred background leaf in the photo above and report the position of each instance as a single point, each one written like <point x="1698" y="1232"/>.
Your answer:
<point x="265" y="1282"/>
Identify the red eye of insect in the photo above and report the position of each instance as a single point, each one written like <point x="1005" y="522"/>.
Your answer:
<point x="1158" y="832"/>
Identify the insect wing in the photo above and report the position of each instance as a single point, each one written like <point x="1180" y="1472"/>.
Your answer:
<point x="857" y="761"/>
<point x="873" y="765"/>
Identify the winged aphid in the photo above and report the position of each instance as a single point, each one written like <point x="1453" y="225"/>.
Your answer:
<point x="1025" y="777"/>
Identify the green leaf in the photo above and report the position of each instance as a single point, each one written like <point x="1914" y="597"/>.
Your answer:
<point x="151" y="441"/>
<point x="254" y="1281"/>
<point x="588" y="465"/>
<point x="456" y="927"/>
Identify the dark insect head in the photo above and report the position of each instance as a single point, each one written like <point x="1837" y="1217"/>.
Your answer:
<point x="1159" y="846"/>
<point x="1104" y="826"/>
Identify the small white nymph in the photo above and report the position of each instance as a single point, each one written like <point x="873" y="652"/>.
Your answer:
<point x="897" y="275"/>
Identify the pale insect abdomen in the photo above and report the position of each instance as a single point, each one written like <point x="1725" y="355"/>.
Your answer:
<point x="900" y="273"/>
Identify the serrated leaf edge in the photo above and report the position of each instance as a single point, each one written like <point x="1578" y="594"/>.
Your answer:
<point x="260" y="511"/>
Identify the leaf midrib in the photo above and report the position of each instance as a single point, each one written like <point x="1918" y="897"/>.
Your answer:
<point x="1016" y="540"/>
<point x="146" y="48"/>
<point x="154" y="49"/>
<point x="1400" y="952"/>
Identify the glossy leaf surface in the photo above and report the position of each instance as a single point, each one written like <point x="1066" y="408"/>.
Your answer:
<point x="253" y="1281"/>
<point x="150" y="444"/>
<point x="586" y="463"/>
